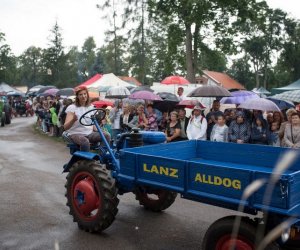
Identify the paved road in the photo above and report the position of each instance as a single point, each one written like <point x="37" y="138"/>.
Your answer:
<point x="33" y="214"/>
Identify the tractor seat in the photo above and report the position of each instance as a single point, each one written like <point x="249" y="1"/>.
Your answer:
<point x="75" y="147"/>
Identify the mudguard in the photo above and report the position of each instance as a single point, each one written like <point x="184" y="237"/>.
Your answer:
<point x="80" y="155"/>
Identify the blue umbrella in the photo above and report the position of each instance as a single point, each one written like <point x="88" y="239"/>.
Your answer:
<point x="281" y="103"/>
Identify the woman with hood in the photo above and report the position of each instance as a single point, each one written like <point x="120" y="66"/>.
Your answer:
<point x="239" y="129"/>
<point x="259" y="131"/>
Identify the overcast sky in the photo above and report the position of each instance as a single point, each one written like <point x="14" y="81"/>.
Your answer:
<point x="28" y="22"/>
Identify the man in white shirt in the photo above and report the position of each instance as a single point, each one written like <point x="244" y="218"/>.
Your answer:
<point x="197" y="126"/>
<point x="180" y="94"/>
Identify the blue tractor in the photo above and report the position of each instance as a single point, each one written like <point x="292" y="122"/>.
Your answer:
<point x="209" y="172"/>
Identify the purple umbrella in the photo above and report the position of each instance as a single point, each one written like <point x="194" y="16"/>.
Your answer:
<point x="52" y="91"/>
<point x="238" y="97"/>
<point x="260" y="104"/>
<point x="145" y="95"/>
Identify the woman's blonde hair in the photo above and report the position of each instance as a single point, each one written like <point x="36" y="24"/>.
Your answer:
<point x="291" y="111"/>
<point x="174" y="113"/>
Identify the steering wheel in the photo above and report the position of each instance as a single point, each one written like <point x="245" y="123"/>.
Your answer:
<point x="86" y="118"/>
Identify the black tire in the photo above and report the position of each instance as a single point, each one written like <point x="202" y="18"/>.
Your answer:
<point x="91" y="179"/>
<point x="163" y="199"/>
<point x="2" y="120"/>
<point x="7" y="115"/>
<point x="219" y="233"/>
<point x="8" y="119"/>
<point x="291" y="245"/>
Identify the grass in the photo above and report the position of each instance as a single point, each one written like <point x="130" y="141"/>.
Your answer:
<point x="39" y="132"/>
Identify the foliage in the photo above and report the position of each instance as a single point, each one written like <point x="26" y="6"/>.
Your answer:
<point x="7" y="62"/>
<point x="151" y="39"/>
<point x="30" y="66"/>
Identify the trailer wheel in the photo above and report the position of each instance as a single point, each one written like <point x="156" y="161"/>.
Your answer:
<point x="218" y="235"/>
<point x="92" y="196"/>
<point x="156" y="200"/>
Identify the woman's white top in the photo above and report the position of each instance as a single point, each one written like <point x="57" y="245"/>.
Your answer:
<point x="78" y="128"/>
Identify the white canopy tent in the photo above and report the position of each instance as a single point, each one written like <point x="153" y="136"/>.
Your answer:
<point x="6" y="88"/>
<point x="109" y="80"/>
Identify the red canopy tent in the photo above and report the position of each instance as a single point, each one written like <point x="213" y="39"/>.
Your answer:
<point x="91" y="80"/>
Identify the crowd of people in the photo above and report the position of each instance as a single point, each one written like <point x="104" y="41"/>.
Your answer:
<point x="56" y="115"/>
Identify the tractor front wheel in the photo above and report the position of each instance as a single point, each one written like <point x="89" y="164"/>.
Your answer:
<point x="92" y="196"/>
<point x="155" y="200"/>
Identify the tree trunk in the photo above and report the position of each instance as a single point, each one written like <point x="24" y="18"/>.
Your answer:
<point x="189" y="54"/>
<point x="196" y="38"/>
<point x="115" y="41"/>
<point x="143" y="47"/>
<point x="257" y="78"/>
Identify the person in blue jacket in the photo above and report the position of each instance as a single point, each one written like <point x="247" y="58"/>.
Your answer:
<point x="259" y="132"/>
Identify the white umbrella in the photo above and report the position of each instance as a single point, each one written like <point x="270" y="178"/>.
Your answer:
<point x="260" y="104"/>
<point x="117" y="92"/>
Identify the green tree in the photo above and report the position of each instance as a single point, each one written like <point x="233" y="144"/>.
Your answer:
<point x="87" y="58"/>
<point x="54" y="59"/>
<point x="30" y="66"/>
<point x="110" y="62"/>
<point x="262" y="38"/>
<point x="112" y="37"/>
<point x="69" y="75"/>
<point x="290" y="56"/>
<point x="195" y="17"/>
<point x="240" y="70"/>
<point x="8" y="71"/>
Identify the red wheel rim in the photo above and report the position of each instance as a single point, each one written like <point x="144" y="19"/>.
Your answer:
<point x="86" y="196"/>
<point x="241" y="243"/>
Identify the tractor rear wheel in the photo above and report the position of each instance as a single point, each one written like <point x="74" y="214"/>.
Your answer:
<point x="92" y="196"/>
<point x="156" y="200"/>
<point x="218" y="235"/>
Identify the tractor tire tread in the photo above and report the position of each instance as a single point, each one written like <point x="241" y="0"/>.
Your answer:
<point x="109" y="192"/>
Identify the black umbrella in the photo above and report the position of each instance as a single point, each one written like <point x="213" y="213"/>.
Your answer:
<point x="209" y="91"/>
<point x="43" y="89"/>
<point x="15" y="93"/>
<point x="166" y="96"/>
<point x="65" y="92"/>
<point x="141" y="88"/>
<point x="168" y="103"/>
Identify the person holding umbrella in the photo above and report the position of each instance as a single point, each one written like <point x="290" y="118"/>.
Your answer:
<point x="197" y="126"/>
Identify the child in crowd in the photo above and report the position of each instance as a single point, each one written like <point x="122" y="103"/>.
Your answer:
<point x="274" y="139"/>
<point x="54" y="120"/>
<point x="220" y="130"/>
